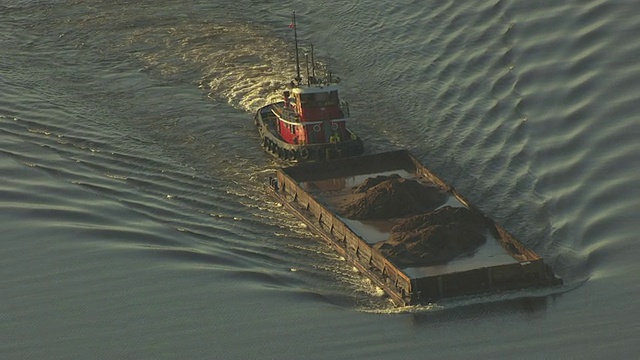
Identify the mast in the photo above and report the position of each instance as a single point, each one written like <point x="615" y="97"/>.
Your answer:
<point x="313" y="65"/>
<point x="306" y="63"/>
<point x="295" y="35"/>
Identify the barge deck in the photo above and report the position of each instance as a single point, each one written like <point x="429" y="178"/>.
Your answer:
<point x="315" y="191"/>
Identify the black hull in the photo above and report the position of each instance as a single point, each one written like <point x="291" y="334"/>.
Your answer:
<point x="274" y="145"/>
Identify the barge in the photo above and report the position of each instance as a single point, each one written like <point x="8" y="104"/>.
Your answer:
<point x="340" y="200"/>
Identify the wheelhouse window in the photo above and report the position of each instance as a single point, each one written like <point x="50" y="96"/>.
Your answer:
<point x="333" y="97"/>
<point x="319" y="99"/>
<point x="307" y="100"/>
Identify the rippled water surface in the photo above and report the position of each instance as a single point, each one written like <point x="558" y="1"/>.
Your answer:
<point x="134" y="221"/>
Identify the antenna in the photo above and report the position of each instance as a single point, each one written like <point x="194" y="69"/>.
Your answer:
<point x="306" y="63"/>
<point x="295" y="34"/>
<point x="313" y="65"/>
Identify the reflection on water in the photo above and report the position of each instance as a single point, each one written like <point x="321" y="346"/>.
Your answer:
<point x="531" y="307"/>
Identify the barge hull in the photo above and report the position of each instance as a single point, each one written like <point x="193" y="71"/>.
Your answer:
<point x="527" y="269"/>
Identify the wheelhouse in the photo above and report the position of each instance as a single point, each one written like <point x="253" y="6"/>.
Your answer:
<point x="312" y="115"/>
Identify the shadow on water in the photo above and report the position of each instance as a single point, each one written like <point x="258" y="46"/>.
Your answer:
<point x="531" y="303"/>
<point x="526" y="307"/>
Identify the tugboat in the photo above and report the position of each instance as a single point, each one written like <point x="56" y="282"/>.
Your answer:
<point x="310" y="123"/>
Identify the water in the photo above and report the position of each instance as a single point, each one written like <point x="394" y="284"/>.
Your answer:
<point x="135" y="225"/>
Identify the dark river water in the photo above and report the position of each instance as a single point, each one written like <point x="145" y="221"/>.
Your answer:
<point x="133" y="219"/>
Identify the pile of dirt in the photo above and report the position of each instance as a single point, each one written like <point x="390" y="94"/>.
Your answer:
<point x="387" y="197"/>
<point x="435" y="237"/>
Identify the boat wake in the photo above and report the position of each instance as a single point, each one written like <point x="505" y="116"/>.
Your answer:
<point x="242" y="64"/>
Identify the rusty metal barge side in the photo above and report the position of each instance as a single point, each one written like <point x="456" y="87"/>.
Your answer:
<point x="384" y="274"/>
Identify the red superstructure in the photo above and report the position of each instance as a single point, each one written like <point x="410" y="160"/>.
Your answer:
<point x="312" y="115"/>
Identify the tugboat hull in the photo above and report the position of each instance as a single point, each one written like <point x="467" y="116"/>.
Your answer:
<point x="265" y="121"/>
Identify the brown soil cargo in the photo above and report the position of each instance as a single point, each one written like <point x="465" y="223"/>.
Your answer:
<point x="407" y="230"/>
